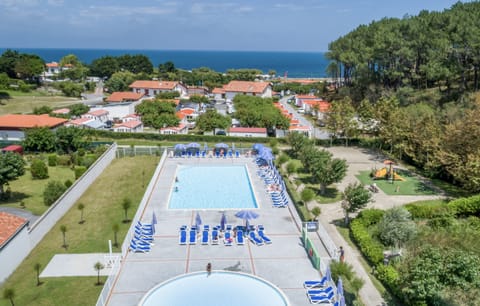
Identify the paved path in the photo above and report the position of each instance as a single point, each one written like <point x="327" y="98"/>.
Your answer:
<point x="360" y="160"/>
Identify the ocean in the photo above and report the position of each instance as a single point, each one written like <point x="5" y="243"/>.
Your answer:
<point x="292" y="64"/>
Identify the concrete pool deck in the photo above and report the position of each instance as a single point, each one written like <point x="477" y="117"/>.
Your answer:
<point x="283" y="263"/>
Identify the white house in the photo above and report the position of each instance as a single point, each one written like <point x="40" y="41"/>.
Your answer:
<point x="173" y="130"/>
<point x="14" y="240"/>
<point x="229" y="91"/>
<point x="13" y="126"/>
<point x="131" y="126"/>
<point x="124" y="96"/>
<point x="54" y="68"/>
<point x="247" y="132"/>
<point x="152" y="88"/>
<point x="97" y="114"/>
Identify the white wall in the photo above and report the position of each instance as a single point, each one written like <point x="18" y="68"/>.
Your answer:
<point x="12" y="135"/>
<point x="118" y="110"/>
<point x="9" y="254"/>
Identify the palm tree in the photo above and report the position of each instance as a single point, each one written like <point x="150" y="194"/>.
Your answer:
<point x="37" y="267"/>
<point x="81" y="207"/>
<point x="98" y="266"/>
<point x="63" y="229"/>
<point x="9" y="294"/>
<point x="115" y="228"/>
<point x="126" y="204"/>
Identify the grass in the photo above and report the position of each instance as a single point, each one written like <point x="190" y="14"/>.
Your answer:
<point x="123" y="178"/>
<point x="412" y="185"/>
<point x="24" y="103"/>
<point x="30" y="191"/>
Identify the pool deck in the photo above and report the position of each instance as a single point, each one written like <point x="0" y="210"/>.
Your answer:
<point x="283" y="263"/>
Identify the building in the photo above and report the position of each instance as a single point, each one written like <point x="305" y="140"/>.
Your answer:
<point x="153" y="88"/>
<point x="257" y="89"/>
<point x="129" y="126"/>
<point x="125" y="96"/>
<point x="247" y="132"/>
<point x="54" y="68"/>
<point x="12" y="126"/>
<point x="197" y="90"/>
<point x="14" y="240"/>
<point x="173" y="130"/>
<point x="97" y="114"/>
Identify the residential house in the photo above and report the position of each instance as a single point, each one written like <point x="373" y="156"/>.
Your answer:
<point x="229" y="91"/>
<point x="14" y="240"/>
<point x="86" y="123"/>
<point x="173" y="130"/>
<point x="129" y="126"/>
<point x="152" y="88"/>
<point x="316" y="107"/>
<point x="247" y="132"/>
<point x="12" y="126"/>
<point x="54" y="68"/>
<point x="61" y="111"/>
<point x="197" y="90"/>
<point x="124" y="96"/>
<point x="97" y="114"/>
<point x="300" y="99"/>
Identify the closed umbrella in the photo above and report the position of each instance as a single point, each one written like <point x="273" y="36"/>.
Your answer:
<point x="339" y="288"/>
<point x="223" y="221"/>
<point x="198" y="221"/>
<point x="180" y="147"/>
<point x="193" y="145"/>
<point x="328" y="274"/>
<point x="154" y="221"/>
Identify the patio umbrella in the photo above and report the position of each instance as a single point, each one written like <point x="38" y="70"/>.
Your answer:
<point x="198" y="221"/>
<point x="342" y="300"/>
<point x="339" y="288"/>
<point x="193" y="145"/>
<point x="179" y="147"/>
<point x="246" y="215"/>
<point x="328" y="274"/>
<point x="154" y="221"/>
<point x="257" y="147"/>
<point x="223" y="221"/>
<point x="221" y="146"/>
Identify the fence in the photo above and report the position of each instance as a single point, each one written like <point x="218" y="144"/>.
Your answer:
<point x="109" y="282"/>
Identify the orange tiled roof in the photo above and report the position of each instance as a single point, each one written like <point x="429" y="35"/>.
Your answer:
<point x="61" y="111"/>
<point x="323" y="106"/>
<point x="180" y="115"/>
<point x="180" y="127"/>
<point x="52" y="65"/>
<point x="123" y="96"/>
<point x="218" y="91"/>
<point x="247" y="130"/>
<point x="9" y="225"/>
<point x="154" y="85"/>
<point x="187" y="111"/>
<point x="98" y="112"/>
<point x="245" y="86"/>
<point x="306" y="97"/>
<point x="29" y="121"/>
<point x="129" y="124"/>
<point x="80" y="121"/>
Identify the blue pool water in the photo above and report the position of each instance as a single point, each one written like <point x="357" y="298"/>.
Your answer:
<point x="212" y="187"/>
<point x="220" y="288"/>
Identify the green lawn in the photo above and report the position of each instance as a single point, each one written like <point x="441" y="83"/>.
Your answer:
<point x="30" y="191"/>
<point x="123" y="178"/>
<point x="412" y="185"/>
<point x="14" y="102"/>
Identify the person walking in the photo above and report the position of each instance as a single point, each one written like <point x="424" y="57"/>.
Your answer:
<point x="342" y="254"/>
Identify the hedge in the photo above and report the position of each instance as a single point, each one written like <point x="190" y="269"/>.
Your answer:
<point x="372" y="249"/>
<point x="465" y="207"/>
<point x="427" y="210"/>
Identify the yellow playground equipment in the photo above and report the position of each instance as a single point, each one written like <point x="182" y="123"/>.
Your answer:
<point x="387" y="173"/>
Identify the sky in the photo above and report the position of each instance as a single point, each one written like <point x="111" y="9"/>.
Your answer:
<point x="255" y="25"/>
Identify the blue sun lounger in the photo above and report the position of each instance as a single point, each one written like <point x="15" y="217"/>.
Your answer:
<point x="192" y="237"/>
<point x="228" y="240"/>
<point x="265" y="239"/>
<point x="205" y="237"/>
<point x="182" y="240"/>
<point x="253" y="238"/>
<point x="139" y="248"/>
<point x="309" y="284"/>
<point x="321" y="292"/>
<point x="237" y="154"/>
<point x="318" y="299"/>
<point x="215" y="236"/>
<point x="239" y="239"/>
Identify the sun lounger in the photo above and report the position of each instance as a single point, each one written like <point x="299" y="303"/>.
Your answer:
<point x="316" y="283"/>
<point x="239" y="238"/>
<point x="264" y="237"/>
<point x="143" y="232"/>
<point x="228" y="240"/>
<point x="228" y="227"/>
<point x="322" y="292"/>
<point x="204" y="154"/>
<point x="237" y="154"/>
<point x="205" y="237"/>
<point x="148" y="239"/>
<point x="214" y="236"/>
<point x="183" y="237"/>
<point x="139" y="248"/>
<point x="206" y="227"/>
<point x="217" y="154"/>
<point x="253" y="238"/>
<point x="183" y="228"/>
<point x="192" y="237"/>
<point x="318" y="299"/>
<point x="230" y="154"/>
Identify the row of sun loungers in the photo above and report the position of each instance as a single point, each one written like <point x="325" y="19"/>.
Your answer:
<point x="204" y="154"/>
<point x="229" y="236"/>
<point x="142" y="238"/>
<point x="320" y="292"/>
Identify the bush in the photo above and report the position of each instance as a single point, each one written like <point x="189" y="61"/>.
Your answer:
<point x="79" y="171"/>
<point x="426" y="210"/>
<point x="389" y="276"/>
<point x="370" y="216"/>
<point x="38" y="169"/>
<point x="64" y="160"/>
<point x="52" y="192"/>
<point x="52" y="160"/>
<point x="68" y="183"/>
<point x="283" y="158"/>
<point x="371" y="248"/>
<point x="465" y="206"/>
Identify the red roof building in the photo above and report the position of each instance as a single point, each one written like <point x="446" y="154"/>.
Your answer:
<point x="10" y="225"/>
<point x="125" y="96"/>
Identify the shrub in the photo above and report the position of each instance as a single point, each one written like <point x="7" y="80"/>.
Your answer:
<point x="52" y="160"/>
<point x="371" y="248"/>
<point x="283" y="158"/>
<point x="465" y="206"/>
<point x="389" y="276"/>
<point x="79" y="171"/>
<point x="68" y="183"/>
<point x="88" y="161"/>
<point x="441" y="222"/>
<point x="52" y="192"/>
<point x="64" y="160"/>
<point x="370" y="216"/>
<point x="38" y="169"/>
<point x="426" y="210"/>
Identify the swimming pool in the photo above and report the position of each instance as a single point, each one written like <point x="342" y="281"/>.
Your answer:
<point x="212" y="187"/>
<point x="220" y="288"/>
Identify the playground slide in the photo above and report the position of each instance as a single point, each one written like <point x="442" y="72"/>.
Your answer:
<point x="381" y="174"/>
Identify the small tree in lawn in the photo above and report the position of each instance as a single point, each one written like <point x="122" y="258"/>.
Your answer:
<point x="354" y="197"/>
<point x="307" y="195"/>
<point x="291" y="168"/>
<point x="115" y="228"/>
<point x="98" y="266"/>
<point x="37" y="267"/>
<point x="63" y="229"/>
<point x="126" y="204"/>
<point x="9" y="294"/>
<point x="316" y="211"/>
<point x="81" y="207"/>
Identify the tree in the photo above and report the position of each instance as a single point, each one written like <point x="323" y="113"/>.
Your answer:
<point x="211" y="120"/>
<point x="126" y="204"/>
<point x="291" y="168"/>
<point x="157" y="113"/>
<point x="137" y="63"/>
<point x="119" y="81"/>
<point x="340" y="119"/>
<point x="42" y="110"/>
<point x="307" y="195"/>
<point x="53" y="191"/>
<point x="69" y="139"/>
<point x="29" y="66"/>
<point x="354" y="197"/>
<point x="69" y="59"/>
<point x="71" y="89"/>
<point x="316" y="211"/>
<point x="76" y="110"/>
<point x="326" y="170"/>
<point x="12" y="166"/>
<point x="81" y="207"/>
<point x="38" y="169"/>
<point x="98" y="267"/>
<point x="396" y="227"/>
<point x="63" y="229"/>
<point x="115" y="228"/>
<point x="40" y="139"/>
<point x="8" y="61"/>
<point x="37" y="267"/>
<point x="9" y="294"/>
<point x="104" y="66"/>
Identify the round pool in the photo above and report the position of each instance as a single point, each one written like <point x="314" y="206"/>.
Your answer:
<point x="220" y="288"/>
